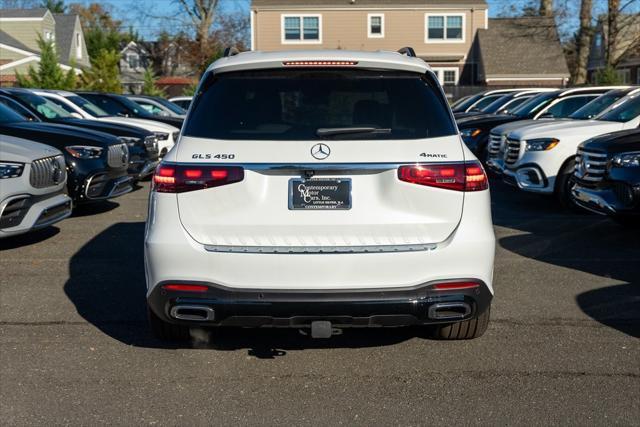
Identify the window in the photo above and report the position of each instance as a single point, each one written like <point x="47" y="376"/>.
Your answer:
<point x="624" y="75"/>
<point x="133" y="60"/>
<point x="598" y="40"/>
<point x="376" y="26"/>
<point x="291" y="105"/>
<point x="447" y="76"/>
<point x="444" y="28"/>
<point x="301" y="29"/>
<point x="78" y="46"/>
<point x="625" y="110"/>
<point x="565" y="107"/>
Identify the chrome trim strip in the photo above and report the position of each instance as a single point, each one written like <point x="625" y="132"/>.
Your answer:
<point x="320" y="249"/>
<point x="208" y="311"/>
<point x="314" y="166"/>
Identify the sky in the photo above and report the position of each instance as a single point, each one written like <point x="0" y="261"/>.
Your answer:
<point x="148" y="17"/>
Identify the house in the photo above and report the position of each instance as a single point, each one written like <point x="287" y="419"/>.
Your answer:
<point x="456" y="37"/>
<point x="19" y="33"/>
<point x="135" y="58"/>
<point x="627" y="53"/>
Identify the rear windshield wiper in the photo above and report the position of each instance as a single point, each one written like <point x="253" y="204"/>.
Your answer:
<point x="351" y="131"/>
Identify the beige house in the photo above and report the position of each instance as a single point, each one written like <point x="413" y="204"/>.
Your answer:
<point x="19" y="32"/>
<point x="442" y="32"/>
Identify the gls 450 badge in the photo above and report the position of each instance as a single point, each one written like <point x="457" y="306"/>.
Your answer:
<point x="209" y="156"/>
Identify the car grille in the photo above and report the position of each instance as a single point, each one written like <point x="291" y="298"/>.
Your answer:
<point x="512" y="152"/>
<point x="590" y="166"/>
<point x="118" y="156"/>
<point x="495" y="141"/>
<point x="624" y="193"/>
<point x="47" y="172"/>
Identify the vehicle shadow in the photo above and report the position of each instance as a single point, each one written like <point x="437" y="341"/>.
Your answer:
<point x="107" y="286"/>
<point x="31" y="238"/>
<point x="584" y="242"/>
<point x="94" y="208"/>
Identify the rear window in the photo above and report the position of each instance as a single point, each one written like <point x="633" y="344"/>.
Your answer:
<point x="296" y="104"/>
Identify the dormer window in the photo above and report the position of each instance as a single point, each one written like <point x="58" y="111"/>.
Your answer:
<point x="78" y="46"/>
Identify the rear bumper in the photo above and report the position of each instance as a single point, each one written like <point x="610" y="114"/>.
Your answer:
<point x="221" y="306"/>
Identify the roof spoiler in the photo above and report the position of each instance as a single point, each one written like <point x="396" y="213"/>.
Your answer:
<point x="230" y="51"/>
<point x="407" y="51"/>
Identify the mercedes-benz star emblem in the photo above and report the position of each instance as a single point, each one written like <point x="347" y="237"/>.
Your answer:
<point x="56" y="171"/>
<point x="320" y="151"/>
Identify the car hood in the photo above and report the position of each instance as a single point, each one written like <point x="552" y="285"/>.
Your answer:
<point x="485" y="120"/>
<point x="108" y="127"/>
<point x="22" y="150"/>
<point x="567" y="129"/>
<point x="521" y="124"/>
<point x="615" y="142"/>
<point x="150" y="125"/>
<point x="42" y="132"/>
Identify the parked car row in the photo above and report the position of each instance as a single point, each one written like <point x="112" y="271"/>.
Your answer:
<point x="59" y="149"/>
<point x="581" y="145"/>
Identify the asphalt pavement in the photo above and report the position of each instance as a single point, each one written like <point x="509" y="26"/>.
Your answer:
<point x="563" y="345"/>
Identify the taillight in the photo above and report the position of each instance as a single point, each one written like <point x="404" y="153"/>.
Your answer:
<point x="182" y="178"/>
<point x="451" y="176"/>
<point x="178" y="287"/>
<point x="455" y="286"/>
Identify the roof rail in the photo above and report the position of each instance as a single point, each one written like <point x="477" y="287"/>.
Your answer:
<point x="407" y="51"/>
<point x="230" y="51"/>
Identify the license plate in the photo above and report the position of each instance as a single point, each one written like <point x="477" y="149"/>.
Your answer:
<point x="320" y="193"/>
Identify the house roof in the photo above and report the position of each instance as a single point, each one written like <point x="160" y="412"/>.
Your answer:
<point x="361" y="3"/>
<point x="24" y="13"/>
<point x="6" y="39"/>
<point x="527" y="46"/>
<point x="65" y="24"/>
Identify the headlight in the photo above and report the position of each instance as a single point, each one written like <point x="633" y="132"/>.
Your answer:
<point x="10" y="170"/>
<point x="470" y="133"/>
<point x="541" y="144"/>
<point x="162" y="136"/>
<point x="627" y="160"/>
<point x="84" y="151"/>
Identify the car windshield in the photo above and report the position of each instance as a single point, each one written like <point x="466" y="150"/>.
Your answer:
<point x="534" y="104"/>
<point x="515" y="103"/>
<point x="88" y="106"/>
<point x="117" y="105"/>
<point x="171" y="106"/>
<point x="597" y="106"/>
<point x="7" y="115"/>
<point x="486" y="101"/>
<point x="462" y="105"/>
<point x="497" y="104"/>
<point x="43" y="106"/>
<point x="626" y="109"/>
<point x="317" y="104"/>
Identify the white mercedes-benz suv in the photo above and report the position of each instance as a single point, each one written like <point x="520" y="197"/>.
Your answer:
<point x="321" y="190"/>
<point x="33" y="178"/>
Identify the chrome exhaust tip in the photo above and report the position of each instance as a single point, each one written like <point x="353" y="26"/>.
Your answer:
<point x="192" y="312"/>
<point x="449" y="311"/>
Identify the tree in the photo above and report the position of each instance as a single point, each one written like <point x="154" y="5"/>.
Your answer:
<point x="149" y="86"/>
<point x="55" y="6"/>
<point x="546" y="8"/>
<point x="583" y="43"/>
<point x="607" y="76"/>
<point x="101" y="31"/>
<point x="48" y="75"/>
<point x="201" y="14"/>
<point x="613" y="12"/>
<point x="104" y="75"/>
<point x="190" y="90"/>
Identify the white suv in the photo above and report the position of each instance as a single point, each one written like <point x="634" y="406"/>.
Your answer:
<point x="32" y="182"/>
<point x="541" y="159"/>
<point x="320" y="189"/>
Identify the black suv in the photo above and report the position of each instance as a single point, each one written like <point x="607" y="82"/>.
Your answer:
<point x="142" y="144"/>
<point x="96" y="162"/>
<point x="607" y="176"/>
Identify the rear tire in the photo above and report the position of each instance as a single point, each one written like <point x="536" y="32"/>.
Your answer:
<point x="465" y="330"/>
<point x="165" y="331"/>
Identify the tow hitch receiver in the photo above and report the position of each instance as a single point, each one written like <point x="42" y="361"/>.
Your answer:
<point x="321" y="329"/>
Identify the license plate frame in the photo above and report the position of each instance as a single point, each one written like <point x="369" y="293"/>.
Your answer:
<point x="323" y="199"/>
